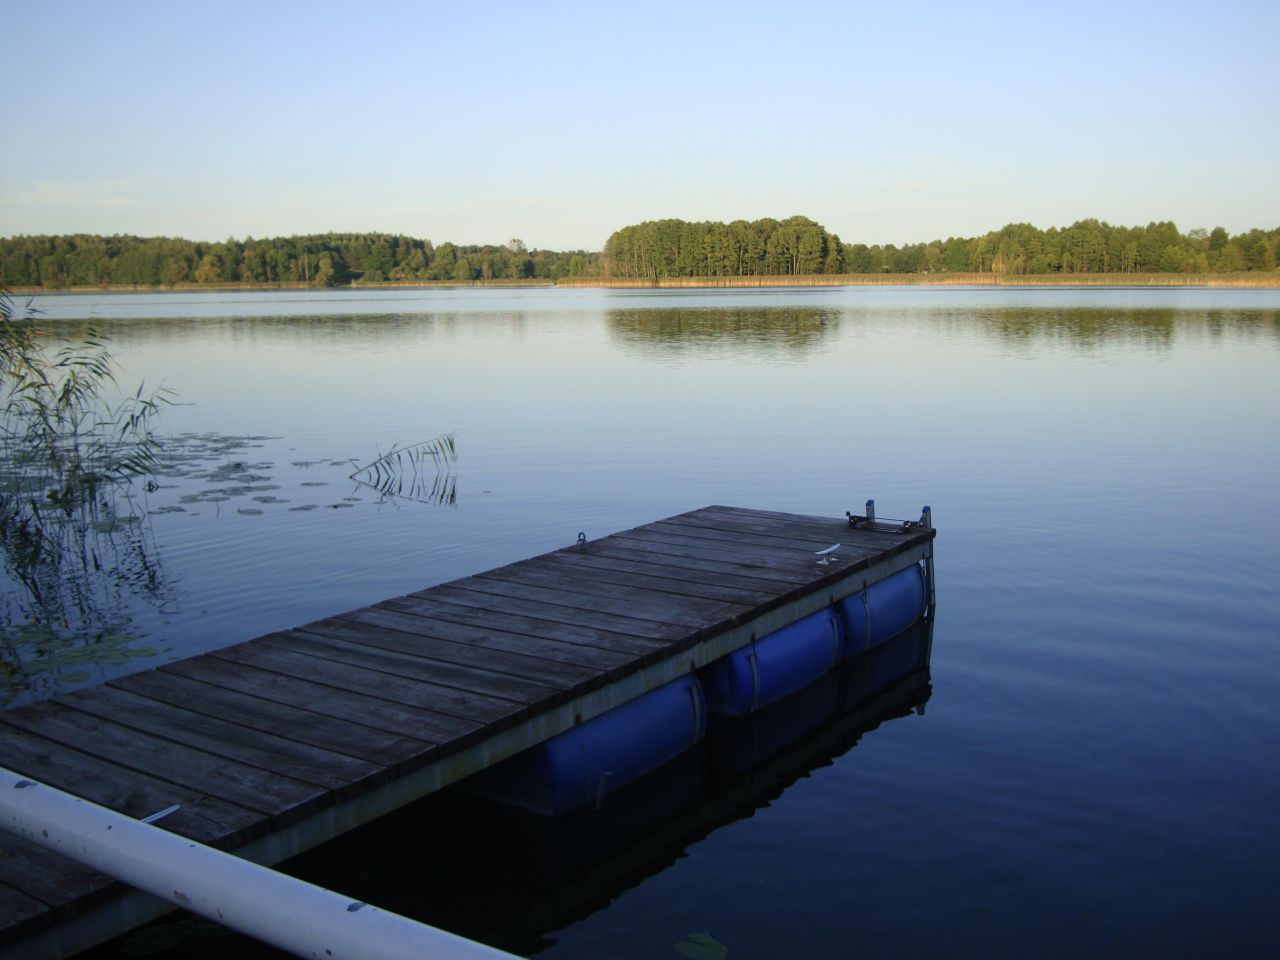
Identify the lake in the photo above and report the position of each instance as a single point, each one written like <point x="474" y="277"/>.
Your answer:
<point x="1096" y="771"/>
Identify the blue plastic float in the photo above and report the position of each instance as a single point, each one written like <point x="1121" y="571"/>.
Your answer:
<point x="581" y="766"/>
<point x="584" y="764"/>
<point x="883" y="610"/>
<point x="773" y="666"/>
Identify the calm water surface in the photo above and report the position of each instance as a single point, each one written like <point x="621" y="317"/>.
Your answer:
<point x="1097" y="768"/>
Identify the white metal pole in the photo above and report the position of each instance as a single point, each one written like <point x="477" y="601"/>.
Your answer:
<point x="288" y="913"/>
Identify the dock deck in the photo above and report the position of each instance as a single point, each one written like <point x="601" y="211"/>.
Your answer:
<point x="277" y="744"/>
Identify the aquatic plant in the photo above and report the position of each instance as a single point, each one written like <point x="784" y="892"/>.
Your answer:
<point x="74" y="543"/>
<point x="61" y="436"/>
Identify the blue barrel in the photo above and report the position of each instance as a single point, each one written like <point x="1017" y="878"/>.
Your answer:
<point x="582" y="765"/>
<point x="773" y="666"/>
<point x="883" y="610"/>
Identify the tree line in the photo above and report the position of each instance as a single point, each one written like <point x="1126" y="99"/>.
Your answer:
<point x="1087" y="246"/>
<point x="798" y="245"/>
<point x="678" y="248"/>
<point x="650" y="250"/>
<point x="330" y="259"/>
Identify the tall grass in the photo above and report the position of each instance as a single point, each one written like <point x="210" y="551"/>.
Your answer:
<point x="74" y="543"/>
<point x="62" y="437"/>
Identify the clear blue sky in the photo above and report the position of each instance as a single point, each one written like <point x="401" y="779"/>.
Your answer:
<point x="560" y="122"/>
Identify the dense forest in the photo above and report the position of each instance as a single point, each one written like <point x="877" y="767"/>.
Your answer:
<point x="330" y="259"/>
<point x="651" y="250"/>
<point x="1088" y="246"/>
<point x="676" y="248"/>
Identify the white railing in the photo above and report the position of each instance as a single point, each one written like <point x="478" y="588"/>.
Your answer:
<point x="283" y="911"/>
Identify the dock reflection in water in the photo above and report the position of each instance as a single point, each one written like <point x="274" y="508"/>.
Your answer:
<point x="508" y="878"/>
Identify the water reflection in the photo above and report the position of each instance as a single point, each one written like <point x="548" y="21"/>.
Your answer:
<point x="1153" y="329"/>
<point x="313" y="330"/>
<point x="422" y="472"/>
<point x="1091" y="329"/>
<point x="798" y="331"/>
<point x="795" y="331"/>
<point x="73" y="584"/>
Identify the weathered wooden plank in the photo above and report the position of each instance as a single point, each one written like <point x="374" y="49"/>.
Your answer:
<point x="747" y="540"/>
<point x="654" y="548"/>
<point x="52" y="879"/>
<point x="692" y="613"/>
<point x="592" y="570"/>
<point x="551" y="571"/>
<point x="609" y="556"/>
<point x="771" y="514"/>
<point x="797" y="528"/>
<point x="413" y="638"/>
<point x="265" y="653"/>
<point x="220" y="738"/>
<point x="860" y="539"/>
<point x="335" y="642"/>
<point x="128" y="791"/>
<point x="277" y="719"/>
<point x="729" y="530"/>
<point x="590" y="660"/>
<point x="884" y="533"/>
<point x="729" y="546"/>
<point x="19" y="913"/>
<point x="482" y="616"/>
<point x="848" y="549"/>
<point x="344" y="705"/>
<point x="268" y="793"/>
<point x="557" y="613"/>
<point x="779" y="561"/>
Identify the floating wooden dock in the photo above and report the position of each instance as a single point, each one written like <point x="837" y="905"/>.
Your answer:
<point x="272" y="746"/>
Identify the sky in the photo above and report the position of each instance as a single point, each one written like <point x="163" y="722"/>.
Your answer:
<point x="559" y="122"/>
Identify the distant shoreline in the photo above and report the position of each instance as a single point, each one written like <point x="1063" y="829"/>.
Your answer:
<point x="1270" y="279"/>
